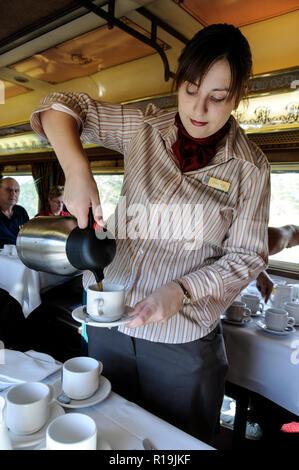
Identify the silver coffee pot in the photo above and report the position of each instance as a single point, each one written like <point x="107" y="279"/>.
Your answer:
<point x="55" y="244"/>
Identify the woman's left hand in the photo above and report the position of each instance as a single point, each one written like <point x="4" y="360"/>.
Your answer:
<point x="162" y="304"/>
<point x="265" y="285"/>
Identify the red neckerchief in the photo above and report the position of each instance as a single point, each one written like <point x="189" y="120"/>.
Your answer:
<point x="195" y="153"/>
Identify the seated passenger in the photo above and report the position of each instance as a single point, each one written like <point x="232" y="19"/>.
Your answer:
<point x="55" y="201"/>
<point x="282" y="237"/>
<point x="12" y="216"/>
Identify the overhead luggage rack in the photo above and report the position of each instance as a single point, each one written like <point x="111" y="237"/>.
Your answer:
<point x="112" y="21"/>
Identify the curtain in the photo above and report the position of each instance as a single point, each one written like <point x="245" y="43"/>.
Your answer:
<point x="57" y="174"/>
<point x="41" y="176"/>
<point x="46" y="174"/>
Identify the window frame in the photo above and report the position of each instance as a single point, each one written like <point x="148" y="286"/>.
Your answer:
<point x="284" y="268"/>
<point x="274" y="267"/>
<point x="10" y="172"/>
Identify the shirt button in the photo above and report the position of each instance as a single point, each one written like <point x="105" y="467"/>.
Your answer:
<point x="140" y="252"/>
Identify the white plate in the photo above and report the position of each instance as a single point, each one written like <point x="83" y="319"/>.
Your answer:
<point x="100" y="395"/>
<point x="21" y="441"/>
<point x="236" y="323"/>
<point x="42" y="357"/>
<point x="287" y="330"/>
<point x="80" y="315"/>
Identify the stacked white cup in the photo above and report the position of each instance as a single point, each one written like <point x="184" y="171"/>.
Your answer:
<point x="293" y="309"/>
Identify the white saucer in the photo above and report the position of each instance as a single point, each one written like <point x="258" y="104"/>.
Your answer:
<point x="236" y="323"/>
<point x="256" y="314"/>
<point x="289" y="329"/>
<point x="102" y="444"/>
<point x="21" y="441"/>
<point x="100" y="395"/>
<point x="80" y="315"/>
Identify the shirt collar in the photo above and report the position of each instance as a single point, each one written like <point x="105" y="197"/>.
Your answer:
<point x="236" y="143"/>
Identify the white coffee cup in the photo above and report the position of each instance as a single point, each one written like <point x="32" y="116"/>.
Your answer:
<point x="28" y="407"/>
<point x="237" y="311"/>
<point x="107" y="305"/>
<point x="7" y="249"/>
<point x="293" y="309"/>
<point x="81" y="377"/>
<point x="295" y="292"/>
<point x="13" y="250"/>
<point x="253" y="302"/>
<point x="72" y="431"/>
<point x="277" y="319"/>
<point x="280" y="295"/>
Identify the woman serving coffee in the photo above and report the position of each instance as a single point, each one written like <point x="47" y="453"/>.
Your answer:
<point x="171" y="358"/>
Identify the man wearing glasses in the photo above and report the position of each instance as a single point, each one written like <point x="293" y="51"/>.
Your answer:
<point x="12" y="216"/>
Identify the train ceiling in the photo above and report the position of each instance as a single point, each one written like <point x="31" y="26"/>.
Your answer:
<point x="44" y="44"/>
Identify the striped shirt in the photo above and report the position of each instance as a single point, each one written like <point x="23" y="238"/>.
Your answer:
<point x="224" y="208"/>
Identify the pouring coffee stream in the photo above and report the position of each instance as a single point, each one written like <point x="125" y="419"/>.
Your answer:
<point x="57" y="245"/>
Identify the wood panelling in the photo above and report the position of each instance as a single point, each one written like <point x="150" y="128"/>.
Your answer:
<point x="11" y="89"/>
<point x="237" y="12"/>
<point x="86" y="54"/>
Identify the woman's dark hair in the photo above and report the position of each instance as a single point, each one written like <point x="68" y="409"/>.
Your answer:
<point x="213" y="43"/>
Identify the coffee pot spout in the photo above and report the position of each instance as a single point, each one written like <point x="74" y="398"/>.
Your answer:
<point x="86" y="252"/>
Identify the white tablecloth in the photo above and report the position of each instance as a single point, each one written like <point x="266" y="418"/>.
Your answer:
<point x="124" y="425"/>
<point x="24" y="284"/>
<point x="264" y="363"/>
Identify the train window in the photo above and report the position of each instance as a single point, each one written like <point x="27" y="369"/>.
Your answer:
<point x="109" y="186"/>
<point x="28" y="194"/>
<point x="284" y="209"/>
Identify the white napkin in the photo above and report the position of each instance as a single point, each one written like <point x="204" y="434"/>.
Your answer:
<point x="32" y="366"/>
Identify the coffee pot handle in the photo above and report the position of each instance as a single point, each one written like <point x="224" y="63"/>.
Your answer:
<point x="91" y="220"/>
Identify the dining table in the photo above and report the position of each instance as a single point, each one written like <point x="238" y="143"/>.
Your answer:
<point x="121" y="424"/>
<point x="124" y="425"/>
<point x="25" y="285"/>
<point x="262" y="362"/>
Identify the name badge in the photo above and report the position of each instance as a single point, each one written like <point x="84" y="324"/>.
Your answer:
<point x="216" y="184"/>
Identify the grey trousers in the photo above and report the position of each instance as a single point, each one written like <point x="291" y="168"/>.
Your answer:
<point x="181" y="383"/>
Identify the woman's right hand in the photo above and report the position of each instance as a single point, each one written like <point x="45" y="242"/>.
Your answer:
<point x="81" y="193"/>
<point x="80" y="189"/>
